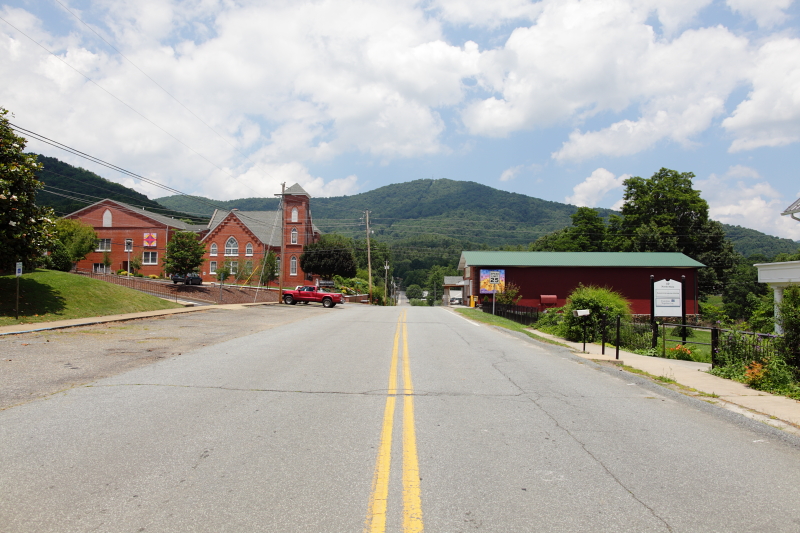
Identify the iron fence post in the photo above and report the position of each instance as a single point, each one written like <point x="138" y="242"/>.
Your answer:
<point x="619" y="319"/>
<point x="714" y="346"/>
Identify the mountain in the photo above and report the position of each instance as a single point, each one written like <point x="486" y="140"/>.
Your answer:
<point x="462" y="210"/>
<point x="434" y="211"/>
<point x="68" y="188"/>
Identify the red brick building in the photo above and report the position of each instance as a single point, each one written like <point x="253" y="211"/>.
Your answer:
<point x="242" y="238"/>
<point x="125" y="232"/>
<point x="542" y="275"/>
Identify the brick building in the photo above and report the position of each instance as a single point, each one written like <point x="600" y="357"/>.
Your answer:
<point x="125" y="232"/>
<point x="546" y="279"/>
<point x="242" y="238"/>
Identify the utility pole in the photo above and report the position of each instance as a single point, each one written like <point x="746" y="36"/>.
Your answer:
<point x="283" y="241"/>
<point x="369" y="258"/>
<point x="385" y="282"/>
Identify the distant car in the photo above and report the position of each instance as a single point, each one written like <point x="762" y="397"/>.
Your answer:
<point x="192" y="278"/>
<point x="309" y="293"/>
<point x="455" y="301"/>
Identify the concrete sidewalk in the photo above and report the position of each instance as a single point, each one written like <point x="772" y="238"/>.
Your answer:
<point x="89" y="321"/>
<point x="695" y="376"/>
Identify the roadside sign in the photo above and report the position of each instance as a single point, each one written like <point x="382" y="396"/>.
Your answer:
<point x="667" y="298"/>
<point x="492" y="281"/>
<point x="19" y="269"/>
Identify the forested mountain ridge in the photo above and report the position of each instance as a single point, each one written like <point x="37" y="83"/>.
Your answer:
<point x="456" y="211"/>
<point x="459" y="209"/>
<point x="69" y="188"/>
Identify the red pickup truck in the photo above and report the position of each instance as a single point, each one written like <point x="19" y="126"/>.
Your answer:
<point x="310" y="293"/>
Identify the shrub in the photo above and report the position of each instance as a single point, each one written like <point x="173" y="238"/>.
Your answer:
<point x="414" y="292"/>
<point x="682" y="352"/>
<point x="152" y="276"/>
<point x="600" y="301"/>
<point x="510" y="296"/>
<point x="419" y="302"/>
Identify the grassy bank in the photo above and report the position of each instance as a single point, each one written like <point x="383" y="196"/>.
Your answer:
<point x="47" y="295"/>
<point x="486" y="318"/>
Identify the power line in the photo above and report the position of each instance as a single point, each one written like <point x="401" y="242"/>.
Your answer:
<point x="125" y="104"/>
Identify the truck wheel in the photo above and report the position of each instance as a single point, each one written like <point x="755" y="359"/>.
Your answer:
<point x="288" y="299"/>
<point x="327" y="302"/>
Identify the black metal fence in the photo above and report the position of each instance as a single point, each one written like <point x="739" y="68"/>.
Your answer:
<point x="518" y="313"/>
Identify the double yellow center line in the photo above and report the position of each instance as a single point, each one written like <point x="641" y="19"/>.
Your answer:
<point x="412" y="503"/>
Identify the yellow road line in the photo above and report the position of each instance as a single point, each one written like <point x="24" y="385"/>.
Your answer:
<point x="376" y="513"/>
<point x="412" y="501"/>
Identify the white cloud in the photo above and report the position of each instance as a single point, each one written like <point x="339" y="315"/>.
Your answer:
<point x="510" y="173"/>
<point x="589" y="192"/>
<point x="490" y="14"/>
<point x="771" y="114"/>
<point x="766" y="13"/>
<point x="741" y="197"/>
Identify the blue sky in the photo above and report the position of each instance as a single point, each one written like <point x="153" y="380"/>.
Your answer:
<point x="557" y="99"/>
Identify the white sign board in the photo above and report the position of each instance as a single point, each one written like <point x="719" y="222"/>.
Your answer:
<point x="667" y="295"/>
<point x="19" y="269"/>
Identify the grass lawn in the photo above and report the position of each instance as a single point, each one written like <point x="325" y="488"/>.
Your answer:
<point x="480" y="316"/>
<point x="47" y="295"/>
<point x="700" y="352"/>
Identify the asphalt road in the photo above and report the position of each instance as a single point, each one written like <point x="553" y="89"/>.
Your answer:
<point x="387" y="419"/>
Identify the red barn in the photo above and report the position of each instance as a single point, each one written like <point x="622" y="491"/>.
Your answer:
<point x="546" y="279"/>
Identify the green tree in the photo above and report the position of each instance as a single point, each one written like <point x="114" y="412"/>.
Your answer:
<point x="184" y="253"/>
<point x="135" y="263"/>
<point x="331" y="256"/>
<point x="413" y="292"/>
<point x="435" y="282"/>
<point x="587" y="234"/>
<point x="224" y="271"/>
<point x="26" y="229"/>
<point x="742" y="292"/>
<point x="269" y="268"/>
<point x="107" y="261"/>
<point x="664" y="213"/>
<point x="510" y="296"/>
<point x="78" y="238"/>
<point x="59" y="258"/>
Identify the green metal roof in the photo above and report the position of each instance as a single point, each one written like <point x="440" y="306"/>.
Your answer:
<point x="577" y="259"/>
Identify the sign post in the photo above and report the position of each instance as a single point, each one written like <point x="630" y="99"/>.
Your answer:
<point x="492" y="282"/>
<point x="19" y="273"/>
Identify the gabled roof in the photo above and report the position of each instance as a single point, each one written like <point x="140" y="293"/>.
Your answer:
<point x="161" y="219"/>
<point x="265" y="225"/>
<point x="577" y="259"/>
<point x="296" y="190"/>
<point x="794" y="208"/>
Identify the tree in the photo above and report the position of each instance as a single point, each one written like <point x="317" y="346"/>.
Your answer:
<point x="135" y="264"/>
<point x="269" y="268"/>
<point x="331" y="256"/>
<point x="587" y="234"/>
<point x="741" y="290"/>
<point x="78" y="238"/>
<point x="666" y="214"/>
<point x="224" y="271"/>
<point x="184" y="253"/>
<point x="414" y="292"/>
<point x="26" y="229"/>
<point x="435" y="283"/>
<point x="510" y="296"/>
<point x="107" y="261"/>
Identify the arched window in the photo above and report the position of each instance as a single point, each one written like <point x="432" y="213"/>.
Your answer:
<point x="231" y="247"/>
<point x="295" y="214"/>
<point x="213" y="249"/>
<point x="294" y="235"/>
<point x="248" y="250"/>
<point x="107" y="219"/>
<point x="277" y="266"/>
<point x="293" y="266"/>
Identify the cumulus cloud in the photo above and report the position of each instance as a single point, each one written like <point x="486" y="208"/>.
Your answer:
<point x="510" y="173"/>
<point x="771" y="114"/>
<point x="590" y="191"/>
<point x="742" y="197"/>
<point x="765" y="12"/>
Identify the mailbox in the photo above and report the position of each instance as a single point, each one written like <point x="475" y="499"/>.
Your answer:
<point x="581" y="312"/>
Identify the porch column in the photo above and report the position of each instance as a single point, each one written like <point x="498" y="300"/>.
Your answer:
<point x="778" y="291"/>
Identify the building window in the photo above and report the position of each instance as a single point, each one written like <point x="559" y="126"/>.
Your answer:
<point x="99" y="268"/>
<point x="294" y="214"/>
<point x="150" y="258"/>
<point x="234" y="267"/>
<point x="128" y="245"/>
<point x="277" y="266"/>
<point x="107" y="219"/>
<point x="231" y="247"/>
<point x="248" y="250"/>
<point x="293" y="266"/>
<point x="212" y="267"/>
<point x="294" y="235"/>
<point x="103" y="245"/>
<point x="213" y="249"/>
<point x="248" y="267"/>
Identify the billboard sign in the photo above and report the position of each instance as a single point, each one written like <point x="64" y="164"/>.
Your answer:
<point x="667" y="298"/>
<point x="493" y="281"/>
